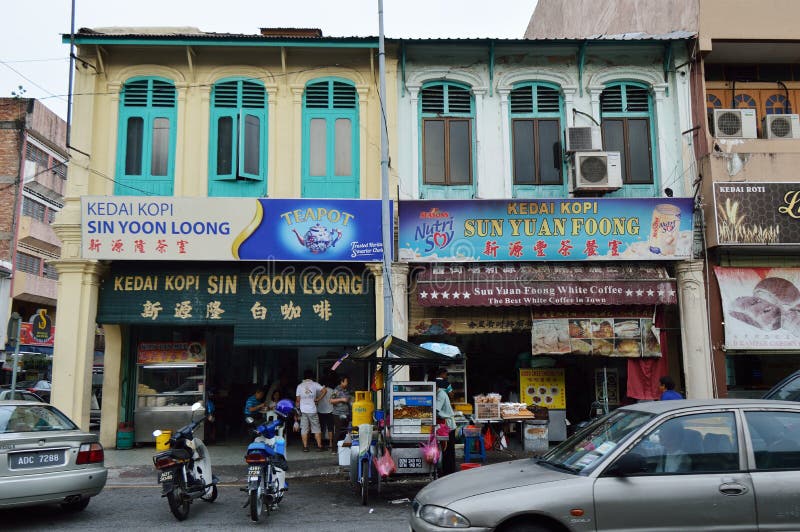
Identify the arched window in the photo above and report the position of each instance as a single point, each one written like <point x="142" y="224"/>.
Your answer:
<point x="238" y="139"/>
<point x="330" y="140"/>
<point x="536" y="111"/>
<point x="447" y="116"/>
<point x="626" y="112"/>
<point x="146" y="139"/>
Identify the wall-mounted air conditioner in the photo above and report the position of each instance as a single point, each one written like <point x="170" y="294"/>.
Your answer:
<point x="781" y="126"/>
<point x="587" y="138"/>
<point x="735" y="123"/>
<point x="597" y="170"/>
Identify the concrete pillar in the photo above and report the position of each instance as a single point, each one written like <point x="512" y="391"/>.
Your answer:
<point x="112" y="383"/>
<point x="400" y="310"/>
<point x="73" y="351"/>
<point x="377" y="272"/>
<point x="695" y="342"/>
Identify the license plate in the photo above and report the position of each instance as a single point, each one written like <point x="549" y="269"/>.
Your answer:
<point x="36" y="459"/>
<point x="253" y="472"/>
<point x="165" y="476"/>
<point x="409" y="463"/>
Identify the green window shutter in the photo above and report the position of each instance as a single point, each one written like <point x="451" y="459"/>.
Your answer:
<point x="238" y="139"/>
<point x="146" y="138"/>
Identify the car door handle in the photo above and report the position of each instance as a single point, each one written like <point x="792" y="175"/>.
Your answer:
<point x="732" y="488"/>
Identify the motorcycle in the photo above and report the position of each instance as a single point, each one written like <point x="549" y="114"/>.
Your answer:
<point x="184" y="471"/>
<point x="267" y="466"/>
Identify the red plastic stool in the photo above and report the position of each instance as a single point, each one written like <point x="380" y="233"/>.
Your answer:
<point x="469" y="465"/>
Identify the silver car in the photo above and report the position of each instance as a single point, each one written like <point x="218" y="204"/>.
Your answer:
<point x="721" y="465"/>
<point x="45" y="458"/>
<point x="20" y="395"/>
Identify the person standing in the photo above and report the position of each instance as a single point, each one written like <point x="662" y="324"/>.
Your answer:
<point x="325" y="411"/>
<point x="445" y="413"/>
<point x="341" y="399"/>
<point x="308" y="395"/>
<point x="667" y="388"/>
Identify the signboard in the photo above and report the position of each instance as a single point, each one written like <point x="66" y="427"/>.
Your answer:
<point x="28" y="336"/>
<point x="756" y="213"/>
<point x="41" y="328"/>
<point x="170" y="352"/>
<point x="603" y="336"/>
<point x="511" y="285"/>
<point x="543" y="387"/>
<point x="268" y="304"/>
<point x="546" y="229"/>
<point x="185" y="228"/>
<point x="761" y="307"/>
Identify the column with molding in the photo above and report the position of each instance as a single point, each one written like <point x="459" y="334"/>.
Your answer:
<point x="695" y="343"/>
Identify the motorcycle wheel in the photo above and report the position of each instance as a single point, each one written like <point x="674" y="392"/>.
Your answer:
<point x="365" y="482"/>
<point x="178" y="503"/>
<point x="256" y="504"/>
<point x="211" y="494"/>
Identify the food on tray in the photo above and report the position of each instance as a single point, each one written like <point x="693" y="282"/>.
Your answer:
<point x="581" y="347"/>
<point x="412" y="412"/>
<point x="629" y="347"/>
<point x="550" y="336"/>
<point x="602" y="347"/>
<point x="777" y="291"/>
<point x="627" y="328"/>
<point x="756" y="312"/>
<point x="492" y="398"/>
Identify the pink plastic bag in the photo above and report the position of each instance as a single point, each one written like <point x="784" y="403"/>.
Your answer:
<point x="384" y="465"/>
<point x="442" y="429"/>
<point x="430" y="449"/>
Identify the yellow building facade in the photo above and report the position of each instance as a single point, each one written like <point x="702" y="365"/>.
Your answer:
<point x="286" y="65"/>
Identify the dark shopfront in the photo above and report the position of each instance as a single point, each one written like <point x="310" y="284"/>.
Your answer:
<point x="609" y="331"/>
<point x="190" y="328"/>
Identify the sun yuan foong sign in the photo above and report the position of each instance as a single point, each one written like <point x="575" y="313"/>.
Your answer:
<point x="761" y="307"/>
<point x="183" y="228"/>
<point x="546" y="230"/>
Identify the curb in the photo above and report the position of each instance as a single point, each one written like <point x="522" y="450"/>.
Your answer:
<point x="131" y="476"/>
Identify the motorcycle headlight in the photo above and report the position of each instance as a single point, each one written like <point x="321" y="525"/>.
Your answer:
<point x="444" y="517"/>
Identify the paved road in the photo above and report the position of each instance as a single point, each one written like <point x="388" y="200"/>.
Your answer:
<point x="318" y="504"/>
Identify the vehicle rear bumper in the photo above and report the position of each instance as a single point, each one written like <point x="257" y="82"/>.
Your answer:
<point x="51" y="487"/>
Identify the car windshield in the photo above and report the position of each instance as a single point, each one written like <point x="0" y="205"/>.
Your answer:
<point x="584" y="449"/>
<point x="789" y="391"/>
<point x="32" y="418"/>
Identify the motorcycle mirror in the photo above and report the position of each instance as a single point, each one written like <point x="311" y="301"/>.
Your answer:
<point x="157" y="433"/>
<point x="197" y="406"/>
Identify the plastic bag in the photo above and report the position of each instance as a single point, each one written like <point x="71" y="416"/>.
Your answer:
<point x="430" y="449"/>
<point x="442" y="429"/>
<point x="296" y="426"/>
<point x="384" y="464"/>
<point x="488" y="439"/>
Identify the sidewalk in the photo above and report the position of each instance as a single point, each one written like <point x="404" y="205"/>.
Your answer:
<point x="134" y="467"/>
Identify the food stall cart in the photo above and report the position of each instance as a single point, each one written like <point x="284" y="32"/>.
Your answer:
<point x="408" y="410"/>
<point x="170" y="378"/>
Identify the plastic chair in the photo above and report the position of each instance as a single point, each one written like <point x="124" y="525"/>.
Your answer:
<point x="470" y="439"/>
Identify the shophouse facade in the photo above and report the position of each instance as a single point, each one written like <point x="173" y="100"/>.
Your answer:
<point x="750" y="189"/>
<point x="492" y="210"/>
<point x="222" y="220"/>
<point x="33" y="175"/>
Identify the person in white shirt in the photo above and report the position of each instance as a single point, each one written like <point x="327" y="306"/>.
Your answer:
<point x="308" y="394"/>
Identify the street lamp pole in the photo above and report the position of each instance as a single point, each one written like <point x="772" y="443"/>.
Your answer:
<point x="15" y="326"/>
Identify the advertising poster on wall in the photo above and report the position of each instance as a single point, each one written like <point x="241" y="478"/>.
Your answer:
<point x="183" y="228"/>
<point x="543" y="387"/>
<point x="171" y="352"/>
<point x="574" y="229"/>
<point x="761" y="307"/>
<point x="603" y="336"/>
<point x="757" y="213"/>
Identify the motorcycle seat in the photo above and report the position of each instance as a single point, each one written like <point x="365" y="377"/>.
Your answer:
<point x="177" y="454"/>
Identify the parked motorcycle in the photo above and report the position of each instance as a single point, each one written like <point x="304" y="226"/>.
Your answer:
<point x="266" y="461"/>
<point x="184" y="471"/>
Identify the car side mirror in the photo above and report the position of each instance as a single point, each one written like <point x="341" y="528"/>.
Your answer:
<point x="627" y="465"/>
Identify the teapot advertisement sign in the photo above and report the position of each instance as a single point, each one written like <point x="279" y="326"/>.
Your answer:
<point x="186" y="228"/>
<point x="761" y="307"/>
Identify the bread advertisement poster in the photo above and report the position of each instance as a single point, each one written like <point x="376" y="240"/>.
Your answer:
<point x="543" y="387"/>
<point x="761" y="307"/>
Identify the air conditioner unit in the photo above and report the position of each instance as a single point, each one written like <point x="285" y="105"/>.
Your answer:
<point x="781" y="126"/>
<point x="735" y="123"/>
<point x="597" y="170"/>
<point x="584" y="139"/>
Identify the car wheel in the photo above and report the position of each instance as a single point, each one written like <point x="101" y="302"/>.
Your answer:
<point x="76" y="506"/>
<point x="523" y="526"/>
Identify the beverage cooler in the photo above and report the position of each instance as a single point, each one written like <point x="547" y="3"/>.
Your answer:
<point x="170" y="378"/>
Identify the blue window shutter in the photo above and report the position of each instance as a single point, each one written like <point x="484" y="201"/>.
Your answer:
<point x="147" y="120"/>
<point x="238" y="139"/>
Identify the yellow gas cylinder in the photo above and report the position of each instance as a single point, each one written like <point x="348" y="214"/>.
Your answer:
<point x="363" y="408"/>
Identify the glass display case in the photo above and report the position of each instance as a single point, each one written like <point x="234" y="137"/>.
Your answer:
<point x="457" y="376"/>
<point x="413" y="410"/>
<point x="170" y="378"/>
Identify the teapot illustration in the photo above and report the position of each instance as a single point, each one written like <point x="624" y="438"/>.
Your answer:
<point x="318" y="239"/>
